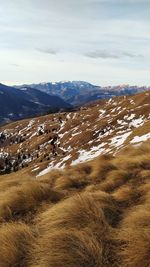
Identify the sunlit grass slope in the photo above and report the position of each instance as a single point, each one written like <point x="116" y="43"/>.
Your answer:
<point x="95" y="214"/>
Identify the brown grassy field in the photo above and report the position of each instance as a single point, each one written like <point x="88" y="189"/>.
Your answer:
<point x="95" y="214"/>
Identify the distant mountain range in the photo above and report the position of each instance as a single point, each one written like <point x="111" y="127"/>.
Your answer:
<point x="78" y="93"/>
<point x="18" y="104"/>
<point x="24" y="101"/>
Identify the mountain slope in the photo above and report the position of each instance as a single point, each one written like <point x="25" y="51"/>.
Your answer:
<point x="78" y="93"/>
<point x="44" y="99"/>
<point x="92" y="214"/>
<point x="57" y="140"/>
<point x="18" y="104"/>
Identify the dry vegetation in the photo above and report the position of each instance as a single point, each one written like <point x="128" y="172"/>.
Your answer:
<point x="61" y="139"/>
<point x="93" y="214"/>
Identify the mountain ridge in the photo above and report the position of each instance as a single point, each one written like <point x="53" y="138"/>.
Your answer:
<point x="68" y="138"/>
<point x="78" y="93"/>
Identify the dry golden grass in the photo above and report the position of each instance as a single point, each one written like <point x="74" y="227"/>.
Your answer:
<point x="135" y="251"/>
<point x="20" y="200"/>
<point x="15" y="243"/>
<point x="95" y="214"/>
<point x="101" y="167"/>
<point x="74" y="233"/>
<point x="135" y="235"/>
<point x="115" y="179"/>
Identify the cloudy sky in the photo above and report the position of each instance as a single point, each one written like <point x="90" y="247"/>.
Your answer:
<point x="105" y="42"/>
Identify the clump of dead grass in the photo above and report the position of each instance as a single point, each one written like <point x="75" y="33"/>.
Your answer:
<point x="15" y="244"/>
<point x="74" y="233"/>
<point x="101" y="167"/>
<point x="20" y="200"/>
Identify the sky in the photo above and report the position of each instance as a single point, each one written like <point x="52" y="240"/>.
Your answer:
<point x="105" y="42"/>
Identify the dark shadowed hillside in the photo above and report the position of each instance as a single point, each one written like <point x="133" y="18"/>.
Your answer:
<point x="18" y="104"/>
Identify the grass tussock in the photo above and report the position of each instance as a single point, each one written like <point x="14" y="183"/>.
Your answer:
<point x="135" y="235"/>
<point x="74" y="233"/>
<point x="135" y="250"/>
<point x="21" y="200"/>
<point x="101" y="167"/>
<point x="15" y="240"/>
<point x="115" y="179"/>
<point x="92" y="214"/>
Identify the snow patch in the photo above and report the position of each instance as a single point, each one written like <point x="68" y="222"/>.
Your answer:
<point x="117" y="141"/>
<point x="88" y="155"/>
<point x="142" y="138"/>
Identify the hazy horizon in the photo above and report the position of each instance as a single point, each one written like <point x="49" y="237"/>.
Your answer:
<point x="61" y="81"/>
<point x="104" y="42"/>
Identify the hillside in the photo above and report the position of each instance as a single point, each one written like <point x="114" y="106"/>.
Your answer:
<point x="18" y="104"/>
<point x="95" y="214"/>
<point x="78" y="93"/>
<point x="64" y="139"/>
